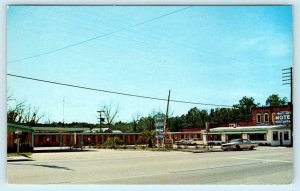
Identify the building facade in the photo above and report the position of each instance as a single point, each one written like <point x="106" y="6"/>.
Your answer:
<point x="280" y="115"/>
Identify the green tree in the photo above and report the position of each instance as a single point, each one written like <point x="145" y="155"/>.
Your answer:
<point x="204" y="117"/>
<point x="193" y="117"/>
<point x="148" y="137"/>
<point x="176" y="123"/>
<point x="244" y="108"/>
<point x="146" y="123"/>
<point x="221" y="115"/>
<point x="275" y="100"/>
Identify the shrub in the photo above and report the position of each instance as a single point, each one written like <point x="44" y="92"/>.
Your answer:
<point x="113" y="142"/>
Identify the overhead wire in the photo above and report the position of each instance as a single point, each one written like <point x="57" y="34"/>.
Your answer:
<point x="205" y="50"/>
<point x="115" y="92"/>
<point x="99" y="36"/>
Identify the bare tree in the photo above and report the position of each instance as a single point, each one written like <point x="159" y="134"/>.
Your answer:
<point x="135" y="121"/>
<point x="110" y="114"/>
<point x="16" y="114"/>
<point x="21" y="113"/>
<point x="31" y="116"/>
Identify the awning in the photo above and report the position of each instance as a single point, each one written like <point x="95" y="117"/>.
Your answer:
<point x="236" y="132"/>
<point x="14" y="127"/>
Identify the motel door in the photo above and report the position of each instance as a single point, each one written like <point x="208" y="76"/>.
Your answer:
<point x="280" y="138"/>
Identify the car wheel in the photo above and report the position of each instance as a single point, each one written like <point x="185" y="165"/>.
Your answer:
<point x="225" y="150"/>
<point x="237" y="148"/>
<point x="251" y="148"/>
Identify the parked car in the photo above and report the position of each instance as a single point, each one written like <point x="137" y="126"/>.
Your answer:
<point x="189" y="141"/>
<point x="195" y="141"/>
<point x="183" y="142"/>
<point x="238" y="144"/>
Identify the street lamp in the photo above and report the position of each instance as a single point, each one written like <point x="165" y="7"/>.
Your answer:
<point x="18" y="133"/>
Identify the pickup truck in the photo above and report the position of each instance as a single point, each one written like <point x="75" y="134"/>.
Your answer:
<point x="238" y="144"/>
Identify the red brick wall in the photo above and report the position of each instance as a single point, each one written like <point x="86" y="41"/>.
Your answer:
<point x="270" y="110"/>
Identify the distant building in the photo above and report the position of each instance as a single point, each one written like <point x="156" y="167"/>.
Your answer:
<point x="273" y="135"/>
<point x="280" y="115"/>
<point x="269" y="125"/>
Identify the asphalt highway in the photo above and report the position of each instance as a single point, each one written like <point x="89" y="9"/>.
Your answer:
<point x="265" y="165"/>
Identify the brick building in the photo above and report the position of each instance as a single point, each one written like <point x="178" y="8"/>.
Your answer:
<point x="280" y="115"/>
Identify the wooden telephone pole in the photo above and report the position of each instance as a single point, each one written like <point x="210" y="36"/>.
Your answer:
<point x="287" y="79"/>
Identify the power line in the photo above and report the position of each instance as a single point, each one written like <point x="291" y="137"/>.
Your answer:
<point x="99" y="36"/>
<point x="114" y="92"/>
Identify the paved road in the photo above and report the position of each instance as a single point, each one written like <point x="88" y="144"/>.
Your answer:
<point x="266" y="165"/>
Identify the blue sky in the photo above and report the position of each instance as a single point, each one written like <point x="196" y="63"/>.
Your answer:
<point x="207" y="54"/>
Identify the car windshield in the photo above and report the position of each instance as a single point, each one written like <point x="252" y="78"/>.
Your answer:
<point x="235" y="140"/>
<point x="246" y="141"/>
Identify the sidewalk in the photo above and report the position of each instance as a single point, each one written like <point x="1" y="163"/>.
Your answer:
<point x="201" y="150"/>
<point x="60" y="149"/>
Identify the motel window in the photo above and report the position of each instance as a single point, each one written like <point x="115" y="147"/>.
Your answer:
<point x="216" y="137"/>
<point x="258" y="118"/>
<point x="266" y="117"/>
<point x="234" y="136"/>
<point x="275" y="135"/>
<point x="257" y="137"/>
<point x="286" y="135"/>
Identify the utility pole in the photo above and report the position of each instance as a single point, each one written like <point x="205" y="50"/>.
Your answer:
<point x="167" y="113"/>
<point x="100" y="118"/>
<point x="63" y="112"/>
<point x="287" y="78"/>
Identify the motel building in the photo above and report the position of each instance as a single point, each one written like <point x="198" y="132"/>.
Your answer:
<point x="269" y="126"/>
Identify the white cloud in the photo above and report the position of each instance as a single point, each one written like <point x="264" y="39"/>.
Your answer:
<point x="278" y="50"/>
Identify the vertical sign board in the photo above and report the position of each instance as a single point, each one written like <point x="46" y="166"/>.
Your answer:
<point x="159" y="123"/>
<point x="283" y="118"/>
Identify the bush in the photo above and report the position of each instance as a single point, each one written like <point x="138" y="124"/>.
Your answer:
<point x="113" y="142"/>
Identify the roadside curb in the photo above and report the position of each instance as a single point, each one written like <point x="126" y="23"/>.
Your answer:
<point x="200" y="151"/>
<point x="18" y="158"/>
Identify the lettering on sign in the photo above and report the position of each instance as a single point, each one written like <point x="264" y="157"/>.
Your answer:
<point x="159" y="123"/>
<point x="283" y="117"/>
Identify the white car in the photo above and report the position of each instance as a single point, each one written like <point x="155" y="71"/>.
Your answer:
<point x="182" y="142"/>
<point x="239" y="144"/>
<point x="189" y="141"/>
<point x="195" y="141"/>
